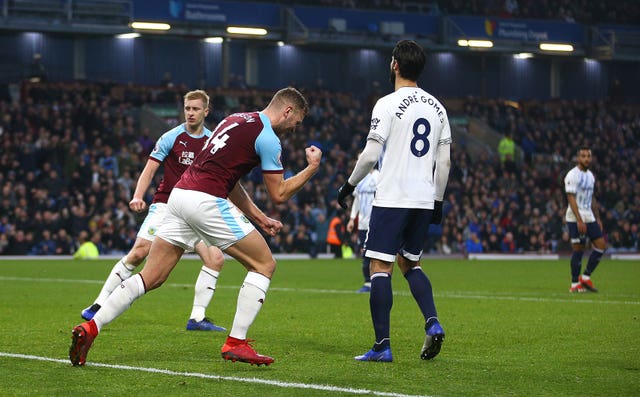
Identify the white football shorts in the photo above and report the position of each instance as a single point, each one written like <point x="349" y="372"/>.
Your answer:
<point x="193" y="216"/>
<point x="152" y="221"/>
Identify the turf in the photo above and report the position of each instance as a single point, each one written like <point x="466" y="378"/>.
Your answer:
<point x="511" y="327"/>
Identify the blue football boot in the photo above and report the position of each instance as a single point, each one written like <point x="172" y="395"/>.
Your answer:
<point x="90" y="311"/>
<point x="204" y="325"/>
<point x="381" y="356"/>
<point x="432" y="341"/>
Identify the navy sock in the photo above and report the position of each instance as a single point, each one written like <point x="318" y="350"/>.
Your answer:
<point x="422" y="292"/>
<point x="365" y="269"/>
<point x="594" y="260"/>
<point x="380" y="302"/>
<point x="576" y="265"/>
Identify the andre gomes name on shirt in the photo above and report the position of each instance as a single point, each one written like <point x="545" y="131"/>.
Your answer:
<point x="409" y="100"/>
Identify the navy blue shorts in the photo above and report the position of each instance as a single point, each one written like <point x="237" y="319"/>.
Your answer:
<point x="593" y="232"/>
<point x="397" y="231"/>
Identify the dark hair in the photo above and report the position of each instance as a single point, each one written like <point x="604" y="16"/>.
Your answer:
<point x="410" y="58"/>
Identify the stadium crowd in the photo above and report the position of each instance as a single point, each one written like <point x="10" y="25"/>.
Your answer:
<point x="581" y="11"/>
<point x="71" y="154"/>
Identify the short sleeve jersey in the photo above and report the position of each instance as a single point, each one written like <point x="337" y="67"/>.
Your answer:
<point x="410" y="123"/>
<point x="175" y="149"/>
<point x="581" y="184"/>
<point x="239" y="143"/>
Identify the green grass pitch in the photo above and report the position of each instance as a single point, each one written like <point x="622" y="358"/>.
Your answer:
<point x="512" y="329"/>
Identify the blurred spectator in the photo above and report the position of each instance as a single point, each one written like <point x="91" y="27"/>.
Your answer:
<point x="507" y="245"/>
<point x="108" y="161"/>
<point x="443" y="246"/>
<point x="45" y="245"/>
<point x="20" y="243"/>
<point x="146" y="143"/>
<point x="336" y="234"/>
<point x="37" y="72"/>
<point x="321" y="231"/>
<point x="473" y="244"/>
<point x="64" y="243"/>
<point x="506" y="148"/>
<point x="493" y="245"/>
<point x="302" y="241"/>
<point x="87" y="249"/>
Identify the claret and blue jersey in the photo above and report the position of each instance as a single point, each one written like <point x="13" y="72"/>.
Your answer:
<point x="175" y="149"/>
<point x="239" y="143"/>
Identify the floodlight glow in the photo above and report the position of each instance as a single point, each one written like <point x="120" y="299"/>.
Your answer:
<point x="214" y="40"/>
<point x="475" y="43"/>
<point x="523" y="55"/>
<point x="556" y="47"/>
<point x="249" y="31"/>
<point x="128" y="35"/>
<point x="150" y="25"/>
<point x="280" y="43"/>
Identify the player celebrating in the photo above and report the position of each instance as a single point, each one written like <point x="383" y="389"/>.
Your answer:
<point x="583" y="222"/>
<point x="175" y="149"/>
<point x="198" y="209"/>
<point x="412" y="127"/>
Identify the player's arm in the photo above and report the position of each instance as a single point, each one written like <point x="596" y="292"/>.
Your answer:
<point x="144" y="181"/>
<point x="241" y="199"/>
<point x="367" y="159"/>
<point x="443" y="162"/>
<point x="378" y="132"/>
<point x="443" y="165"/>
<point x="355" y="206"/>
<point x="280" y="189"/>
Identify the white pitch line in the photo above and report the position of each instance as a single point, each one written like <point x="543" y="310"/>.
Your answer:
<point x="454" y="295"/>
<point x="289" y="385"/>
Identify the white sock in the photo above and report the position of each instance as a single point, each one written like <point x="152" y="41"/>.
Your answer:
<point x="250" y="300"/>
<point x="205" y="287"/>
<point x="119" y="301"/>
<point x="120" y="272"/>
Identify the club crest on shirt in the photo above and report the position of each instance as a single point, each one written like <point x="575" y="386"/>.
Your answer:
<point x="244" y="219"/>
<point x="374" y="123"/>
<point x="152" y="231"/>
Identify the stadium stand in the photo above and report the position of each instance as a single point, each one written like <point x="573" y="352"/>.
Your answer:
<point x="71" y="152"/>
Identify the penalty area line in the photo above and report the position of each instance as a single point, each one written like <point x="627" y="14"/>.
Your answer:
<point x="291" y="385"/>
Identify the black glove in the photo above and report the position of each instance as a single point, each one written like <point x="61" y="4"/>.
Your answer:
<point x="436" y="217"/>
<point x="343" y="192"/>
